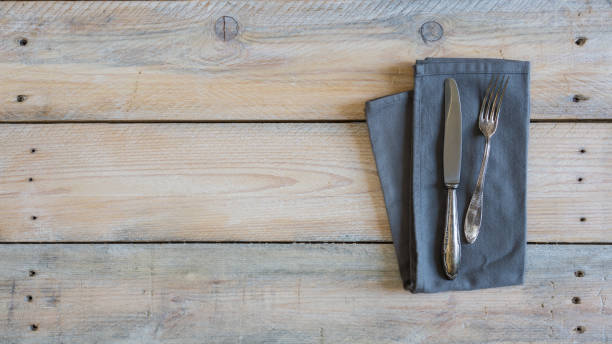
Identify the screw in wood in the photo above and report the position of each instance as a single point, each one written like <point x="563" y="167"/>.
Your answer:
<point x="431" y="31"/>
<point x="226" y="28"/>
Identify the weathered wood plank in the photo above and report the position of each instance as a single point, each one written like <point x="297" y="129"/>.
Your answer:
<point x="258" y="182"/>
<point x="321" y="293"/>
<point x="290" y="60"/>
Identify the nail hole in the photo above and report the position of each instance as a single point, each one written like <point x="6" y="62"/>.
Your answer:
<point x="583" y="219"/>
<point x="580" y="329"/>
<point x="34" y="218"/>
<point x="33" y="327"/>
<point x="580" y="179"/>
<point x="23" y="42"/>
<point x="579" y="98"/>
<point x="575" y="300"/>
<point x="29" y="298"/>
<point x="32" y="273"/>
<point x="580" y="41"/>
<point x="579" y="273"/>
<point x="583" y="151"/>
<point x="21" y="98"/>
<point x="33" y="150"/>
<point x="30" y="179"/>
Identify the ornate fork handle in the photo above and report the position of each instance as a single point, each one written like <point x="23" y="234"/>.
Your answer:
<point x="473" y="217"/>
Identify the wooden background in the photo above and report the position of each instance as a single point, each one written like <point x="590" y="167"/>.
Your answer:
<point x="200" y="172"/>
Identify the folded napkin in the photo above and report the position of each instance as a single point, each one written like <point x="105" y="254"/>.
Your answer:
<point x="407" y="135"/>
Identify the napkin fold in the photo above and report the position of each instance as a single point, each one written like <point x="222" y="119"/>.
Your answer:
<point x="407" y="135"/>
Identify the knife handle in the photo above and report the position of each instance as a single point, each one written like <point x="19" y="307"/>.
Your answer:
<point x="451" y="250"/>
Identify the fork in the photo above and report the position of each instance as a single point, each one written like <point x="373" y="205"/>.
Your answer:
<point x="487" y="122"/>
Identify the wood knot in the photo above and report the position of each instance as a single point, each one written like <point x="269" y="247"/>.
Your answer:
<point x="226" y="28"/>
<point x="22" y="42"/>
<point x="431" y="31"/>
<point x="21" y="98"/>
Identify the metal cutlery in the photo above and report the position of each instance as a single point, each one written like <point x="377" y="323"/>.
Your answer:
<point x="488" y="119"/>
<point x="451" y="249"/>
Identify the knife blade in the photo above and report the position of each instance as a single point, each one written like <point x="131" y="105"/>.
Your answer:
<point x="452" y="133"/>
<point x="452" y="174"/>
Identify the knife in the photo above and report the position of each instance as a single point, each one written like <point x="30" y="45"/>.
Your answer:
<point x="451" y="250"/>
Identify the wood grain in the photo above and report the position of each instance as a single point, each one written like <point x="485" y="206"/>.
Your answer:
<point x="317" y="293"/>
<point x="306" y="60"/>
<point x="258" y="182"/>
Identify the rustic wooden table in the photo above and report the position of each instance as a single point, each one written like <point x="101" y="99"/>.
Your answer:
<point x="200" y="172"/>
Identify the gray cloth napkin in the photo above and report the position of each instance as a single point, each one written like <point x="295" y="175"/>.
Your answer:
<point x="407" y="135"/>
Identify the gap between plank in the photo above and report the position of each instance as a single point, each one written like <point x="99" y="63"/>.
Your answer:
<point x="183" y="121"/>
<point x="561" y="120"/>
<point x="569" y="120"/>
<point x="179" y="242"/>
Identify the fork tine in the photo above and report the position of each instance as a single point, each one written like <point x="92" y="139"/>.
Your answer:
<point x="491" y="98"/>
<point x="501" y="97"/>
<point x="498" y="87"/>
<point x="487" y="98"/>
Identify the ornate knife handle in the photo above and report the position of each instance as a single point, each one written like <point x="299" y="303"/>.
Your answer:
<point x="473" y="216"/>
<point x="451" y="250"/>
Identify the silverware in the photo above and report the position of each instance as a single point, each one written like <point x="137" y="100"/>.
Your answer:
<point x="451" y="250"/>
<point x="487" y="121"/>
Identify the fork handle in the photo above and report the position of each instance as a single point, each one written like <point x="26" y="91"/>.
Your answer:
<point x="473" y="217"/>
